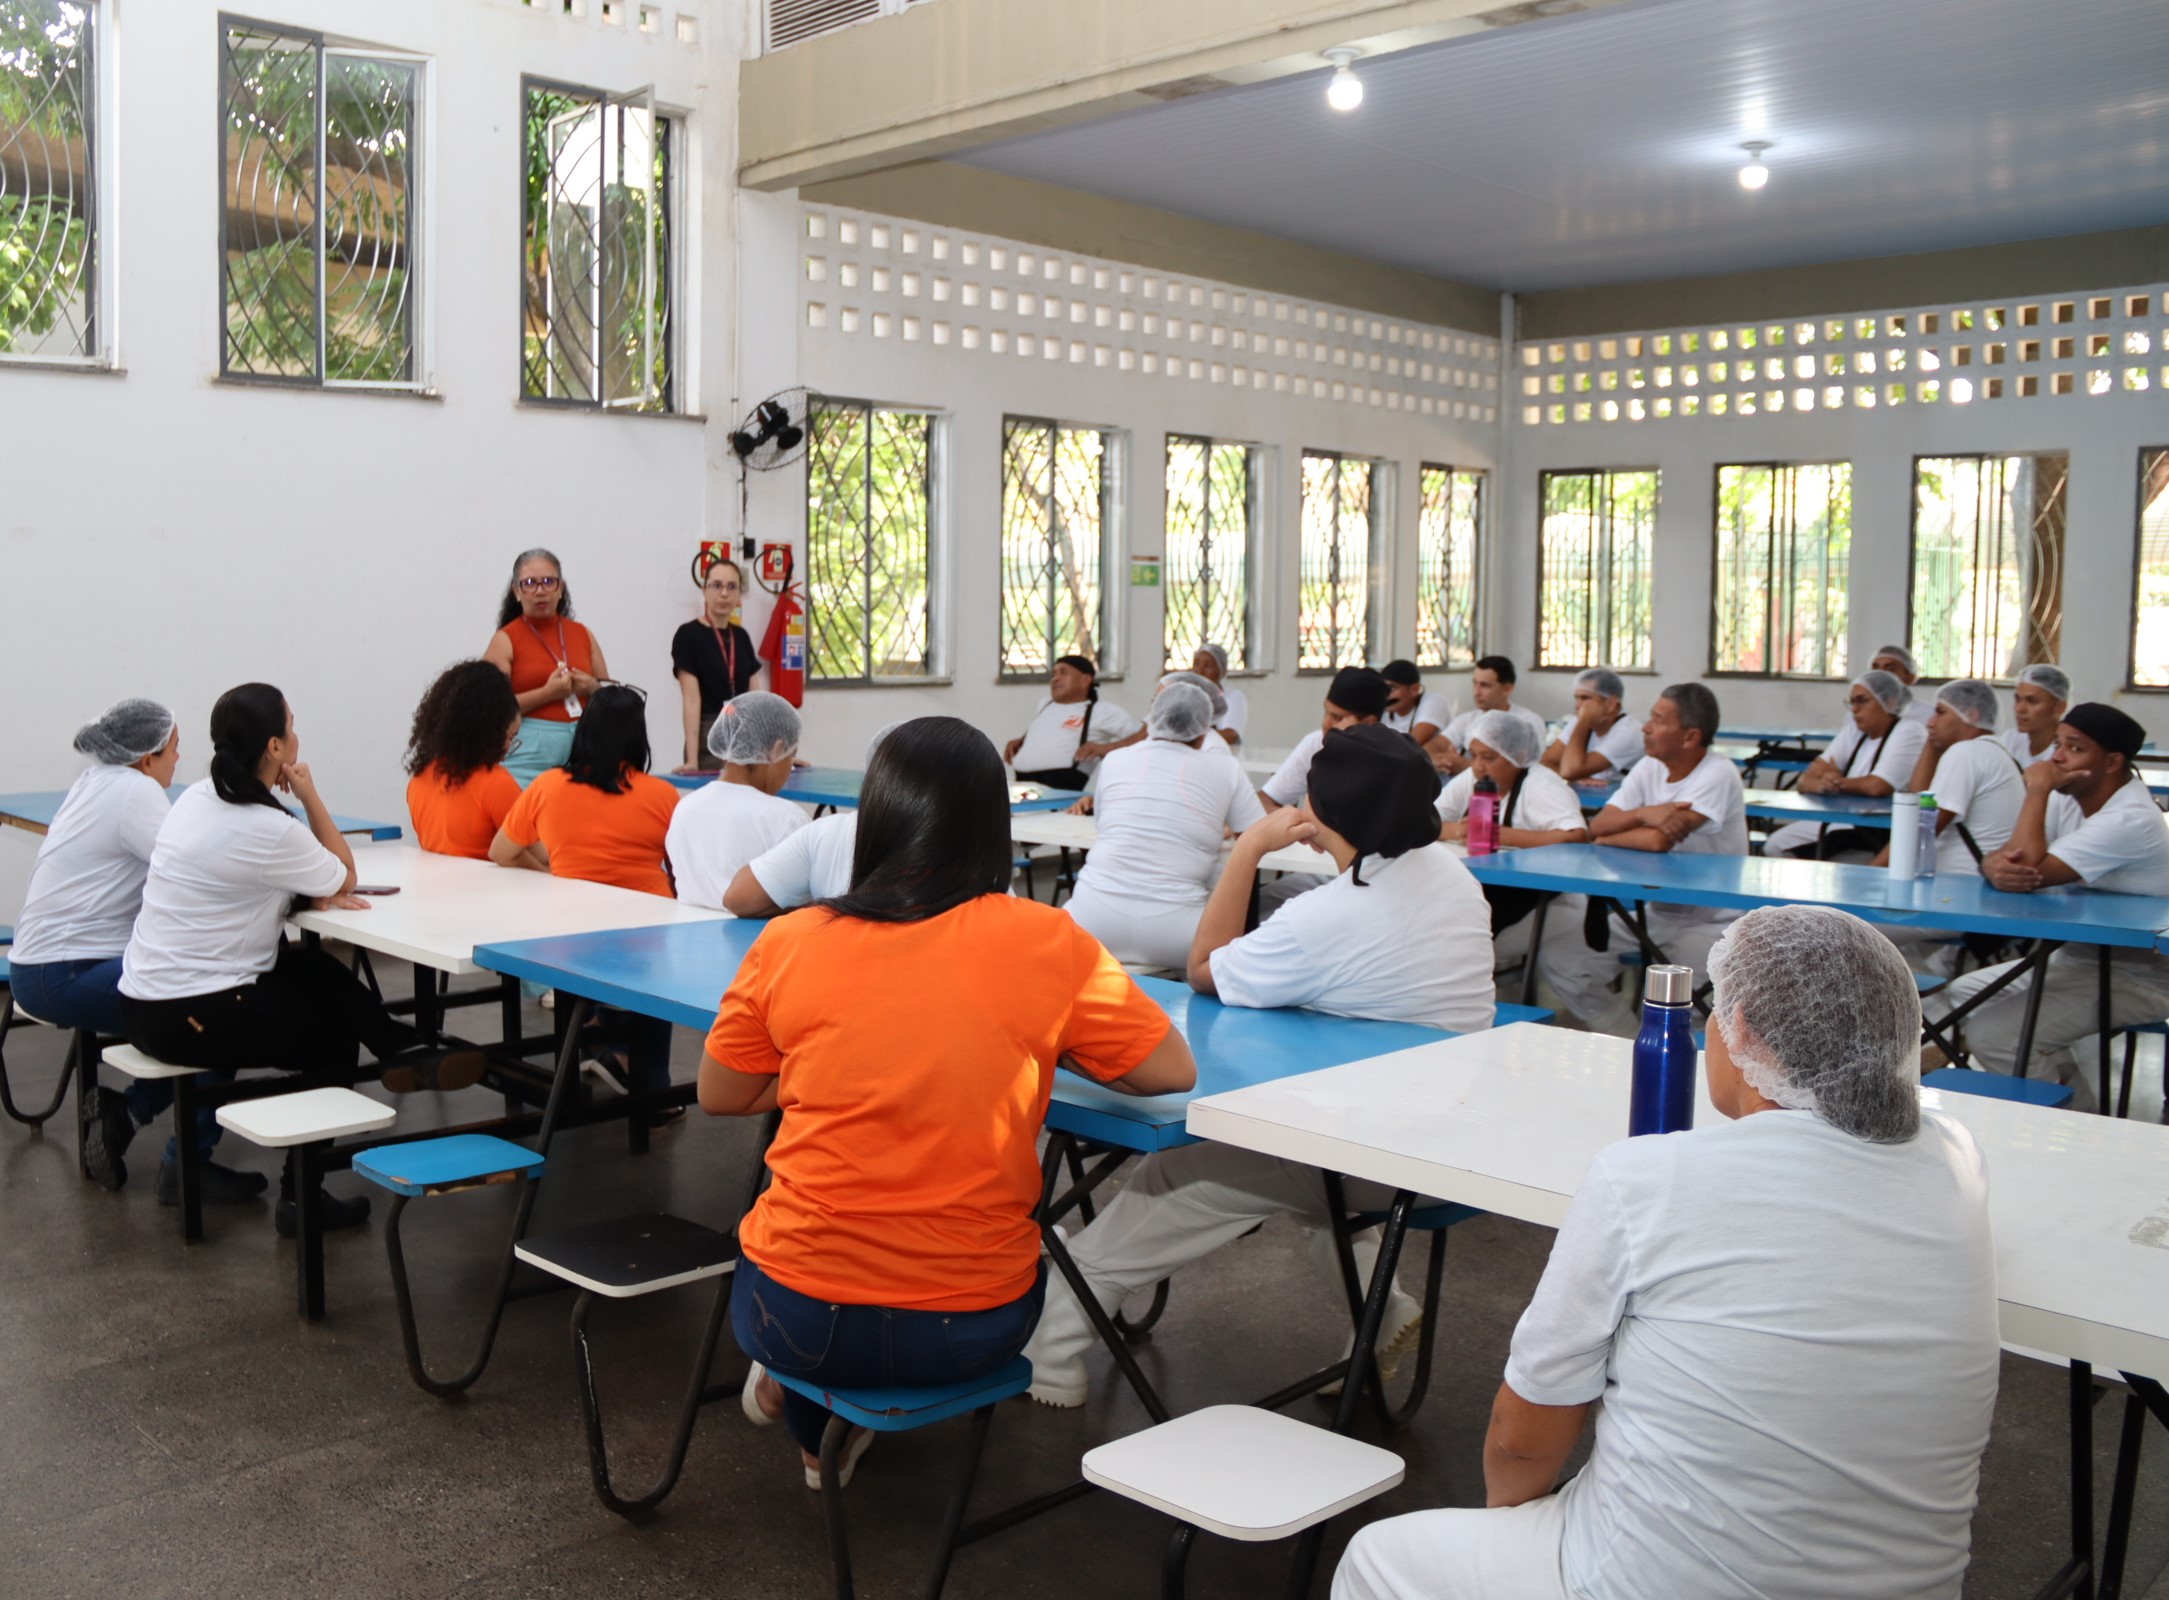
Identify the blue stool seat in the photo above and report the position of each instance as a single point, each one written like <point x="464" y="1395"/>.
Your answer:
<point x="899" y="1410"/>
<point x="1503" y="1014"/>
<point x="1928" y="982"/>
<point x="2160" y="1029"/>
<point x="439" y="1166"/>
<point x="1632" y="958"/>
<point x="7" y="935"/>
<point x="1995" y="1086"/>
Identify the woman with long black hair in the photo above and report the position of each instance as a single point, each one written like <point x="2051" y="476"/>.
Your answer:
<point x="896" y="1244"/>
<point x="207" y="981"/>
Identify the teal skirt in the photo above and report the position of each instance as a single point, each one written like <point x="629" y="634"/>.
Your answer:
<point x="541" y="746"/>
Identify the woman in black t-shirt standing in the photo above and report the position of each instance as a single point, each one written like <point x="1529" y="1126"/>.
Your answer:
<point x="713" y="658"/>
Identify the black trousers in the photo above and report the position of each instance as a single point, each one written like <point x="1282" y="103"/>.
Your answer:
<point x="308" y="1014"/>
<point x="1056" y="778"/>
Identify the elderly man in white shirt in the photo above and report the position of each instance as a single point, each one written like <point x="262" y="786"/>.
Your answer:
<point x="1790" y="1317"/>
<point x="1873" y="756"/>
<point x="1604" y="741"/>
<point x="1680" y="796"/>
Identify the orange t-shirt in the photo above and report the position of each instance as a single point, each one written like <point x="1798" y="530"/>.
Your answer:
<point x="914" y="1062"/>
<point x="535" y="656"/>
<point x="460" y="819"/>
<point x="604" y="838"/>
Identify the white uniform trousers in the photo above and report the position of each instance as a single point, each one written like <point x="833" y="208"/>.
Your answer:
<point x="1150" y="933"/>
<point x="1582" y="978"/>
<point x="2138" y="992"/>
<point x="1511" y="1553"/>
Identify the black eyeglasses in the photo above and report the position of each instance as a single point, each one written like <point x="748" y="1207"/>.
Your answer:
<point x="616" y="683"/>
<point x="537" y="585"/>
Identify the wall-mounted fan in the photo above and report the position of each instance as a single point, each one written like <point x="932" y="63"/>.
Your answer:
<point x="774" y="432"/>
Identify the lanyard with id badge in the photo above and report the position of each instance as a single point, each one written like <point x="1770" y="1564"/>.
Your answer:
<point x="571" y="701"/>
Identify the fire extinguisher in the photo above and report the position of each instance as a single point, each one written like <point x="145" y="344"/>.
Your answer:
<point x="784" y="647"/>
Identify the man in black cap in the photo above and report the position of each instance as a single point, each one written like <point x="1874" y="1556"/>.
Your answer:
<point x="1401" y="933"/>
<point x="1070" y="729"/>
<point x="1410" y="707"/>
<point x="1356" y="695"/>
<point x="2087" y="819"/>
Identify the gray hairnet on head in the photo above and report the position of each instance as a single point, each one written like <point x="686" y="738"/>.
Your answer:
<point x="1600" y="680"/>
<point x="1821" y="1014"/>
<point x="1180" y="712"/>
<point x="1512" y="736"/>
<point x="882" y="733"/>
<point x="1197" y="680"/>
<point x="129" y="731"/>
<point x="1889" y="692"/>
<point x="2050" y="677"/>
<point x="753" y="728"/>
<point x="1971" y="699"/>
<point x="1900" y="654"/>
<point x="1218" y="652"/>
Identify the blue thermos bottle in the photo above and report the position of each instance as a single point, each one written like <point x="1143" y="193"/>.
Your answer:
<point x="1663" y="1098"/>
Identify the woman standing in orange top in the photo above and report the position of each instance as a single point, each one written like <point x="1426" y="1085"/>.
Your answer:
<point x="897" y="1243"/>
<point x="554" y="663"/>
<point x="602" y="817"/>
<point x="458" y="791"/>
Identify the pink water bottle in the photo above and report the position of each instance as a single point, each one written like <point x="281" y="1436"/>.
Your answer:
<point x="1483" y="818"/>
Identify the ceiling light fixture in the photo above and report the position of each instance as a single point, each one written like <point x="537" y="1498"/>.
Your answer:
<point x="1754" y="175"/>
<point x="1344" y="91"/>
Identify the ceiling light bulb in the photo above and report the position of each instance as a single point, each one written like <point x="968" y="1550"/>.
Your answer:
<point x="1344" y="91"/>
<point x="1754" y="175"/>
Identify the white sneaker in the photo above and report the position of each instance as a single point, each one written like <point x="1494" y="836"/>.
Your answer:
<point x="1398" y="1334"/>
<point x="1057" y="1349"/>
<point x="749" y="1398"/>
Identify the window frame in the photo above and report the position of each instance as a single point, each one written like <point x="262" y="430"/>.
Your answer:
<point x="1378" y="553"/>
<point x="419" y="271"/>
<point x="100" y="191"/>
<point x="1717" y="472"/>
<point x="1538" y="663"/>
<point x="1483" y="477"/>
<point x="1114" y="443"/>
<point x="1912" y="550"/>
<point x="937" y="442"/>
<point x="673" y="124"/>
<point x="1258" y="470"/>
<point x="2132" y="685"/>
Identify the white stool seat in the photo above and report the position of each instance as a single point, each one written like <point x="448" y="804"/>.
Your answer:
<point x="1242" y="1472"/>
<point x="307" y="1116"/>
<point x="127" y="1058"/>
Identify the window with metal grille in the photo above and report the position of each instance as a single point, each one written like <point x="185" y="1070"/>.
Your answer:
<point x="1988" y="563"/>
<point x="1342" y="516"/>
<point x="1783" y="561"/>
<point x="595" y="250"/>
<point x="2150" y="589"/>
<point x="1595" y="540"/>
<point x="49" y="149"/>
<point x="1058" y="526"/>
<point x="869" y="547"/>
<point x="316" y="208"/>
<point x="1212" y="511"/>
<point x="1449" y="526"/>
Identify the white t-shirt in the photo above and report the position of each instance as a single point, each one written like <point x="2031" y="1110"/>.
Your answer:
<point x="1712" y="789"/>
<point x="1979" y="784"/>
<point x="1457" y="731"/>
<point x="2123" y="847"/>
<point x="1918" y="710"/>
<point x="1891" y="758"/>
<point x="717" y="829"/>
<point x="1292" y="781"/>
<point x="1620" y="744"/>
<point x="2021" y="745"/>
<point x="222" y="877"/>
<point x="1429" y="708"/>
<point x="87" y="883"/>
<point x="1794" y="1336"/>
<point x="1237" y="717"/>
<point x="1050" y="742"/>
<point x="1544" y="803"/>
<point x="1412" y="943"/>
<point x="1162" y="808"/>
<point x="811" y="863"/>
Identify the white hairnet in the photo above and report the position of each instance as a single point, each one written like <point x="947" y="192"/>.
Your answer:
<point x="1197" y="680"/>
<point x="882" y="733"/>
<point x="1889" y="692"/>
<point x="1602" y="680"/>
<point x="129" y="731"/>
<point x="1821" y="1014"/>
<point x="1971" y="699"/>
<point x="754" y="728"/>
<point x="1513" y="736"/>
<point x="2048" y="676"/>
<point x="1219" y="654"/>
<point x="1180" y="712"/>
<point x="1900" y="654"/>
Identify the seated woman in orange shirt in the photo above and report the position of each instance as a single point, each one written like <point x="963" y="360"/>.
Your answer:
<point x="602" y="817"/>
<point x="896" y="1243"/>
<point x="458" y="791"/>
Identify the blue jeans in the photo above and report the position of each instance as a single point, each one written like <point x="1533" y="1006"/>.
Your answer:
<point x="869" y="1346"/>
<point x="86" y="995"/>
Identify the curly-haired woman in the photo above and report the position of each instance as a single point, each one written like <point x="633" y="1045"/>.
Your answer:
<point x="458" y="791"/>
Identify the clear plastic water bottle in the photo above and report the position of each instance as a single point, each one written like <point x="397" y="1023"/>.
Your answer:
<point x="1483" y="818"/>
<point x="1926" y="861"/>
<point x="1665" y="1068"/>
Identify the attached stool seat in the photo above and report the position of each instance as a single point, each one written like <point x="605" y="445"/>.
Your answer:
<point x="1996" y="1086"/>
<point x="1433" y="1220"/>
<point x="303" y="1124"/>
<point x="1241" y="1472"/>
<point x="130" y="1062"/>
<point x="899" y="1410"/>
<point x="10" y="1014"/>
<point x="623" y="1260"/>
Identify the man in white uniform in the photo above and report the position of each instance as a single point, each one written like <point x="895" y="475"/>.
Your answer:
<point x="1604" y="741"/>
<point x="1211" y="661"/>
<point x="1898" y="661"/>
<point x="1070" y="731"/>
<point x="1491" y="685"/>
<point x="1874" y="755"/>
<point x="1410" y="707"/>
<point x="1401" y="933"/>
<point x="2087" y="819"/>
<point x="2039" y="696"/>
<point x="1680" y="796"/>
<point x="1790" y="1317"/>
<point x="723" y="825"/>
<point x="1356" y="695"/>
<point x="1978" y="784"/>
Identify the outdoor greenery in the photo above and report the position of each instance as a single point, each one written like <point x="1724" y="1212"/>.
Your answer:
<point x="1449" y="527"/>
<point x="2150" y="628"/>
<point x="1784" y="553"/>
<point x="1211" y="510"/>
<point x="868" y="548"/>
<point x="1056" y="487"/>
<point x="1988" y="545"/>
<point x="1595" y="559"/>
<point x="1340" y="508"/>
<point x="47" y="241"/>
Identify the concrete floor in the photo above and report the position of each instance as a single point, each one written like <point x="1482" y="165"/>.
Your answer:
<point x="171" y="1429"/>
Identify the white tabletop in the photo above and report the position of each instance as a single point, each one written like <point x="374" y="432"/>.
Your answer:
<point x="1082" y="833"/>
<point x="1508" y="1121"/>
<point x="447" y="905"/>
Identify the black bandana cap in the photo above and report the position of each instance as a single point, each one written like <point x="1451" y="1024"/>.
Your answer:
<point x="2107" y="727"/>
<point x="1375" y="789"/>
<point x="1359" y="691"/>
